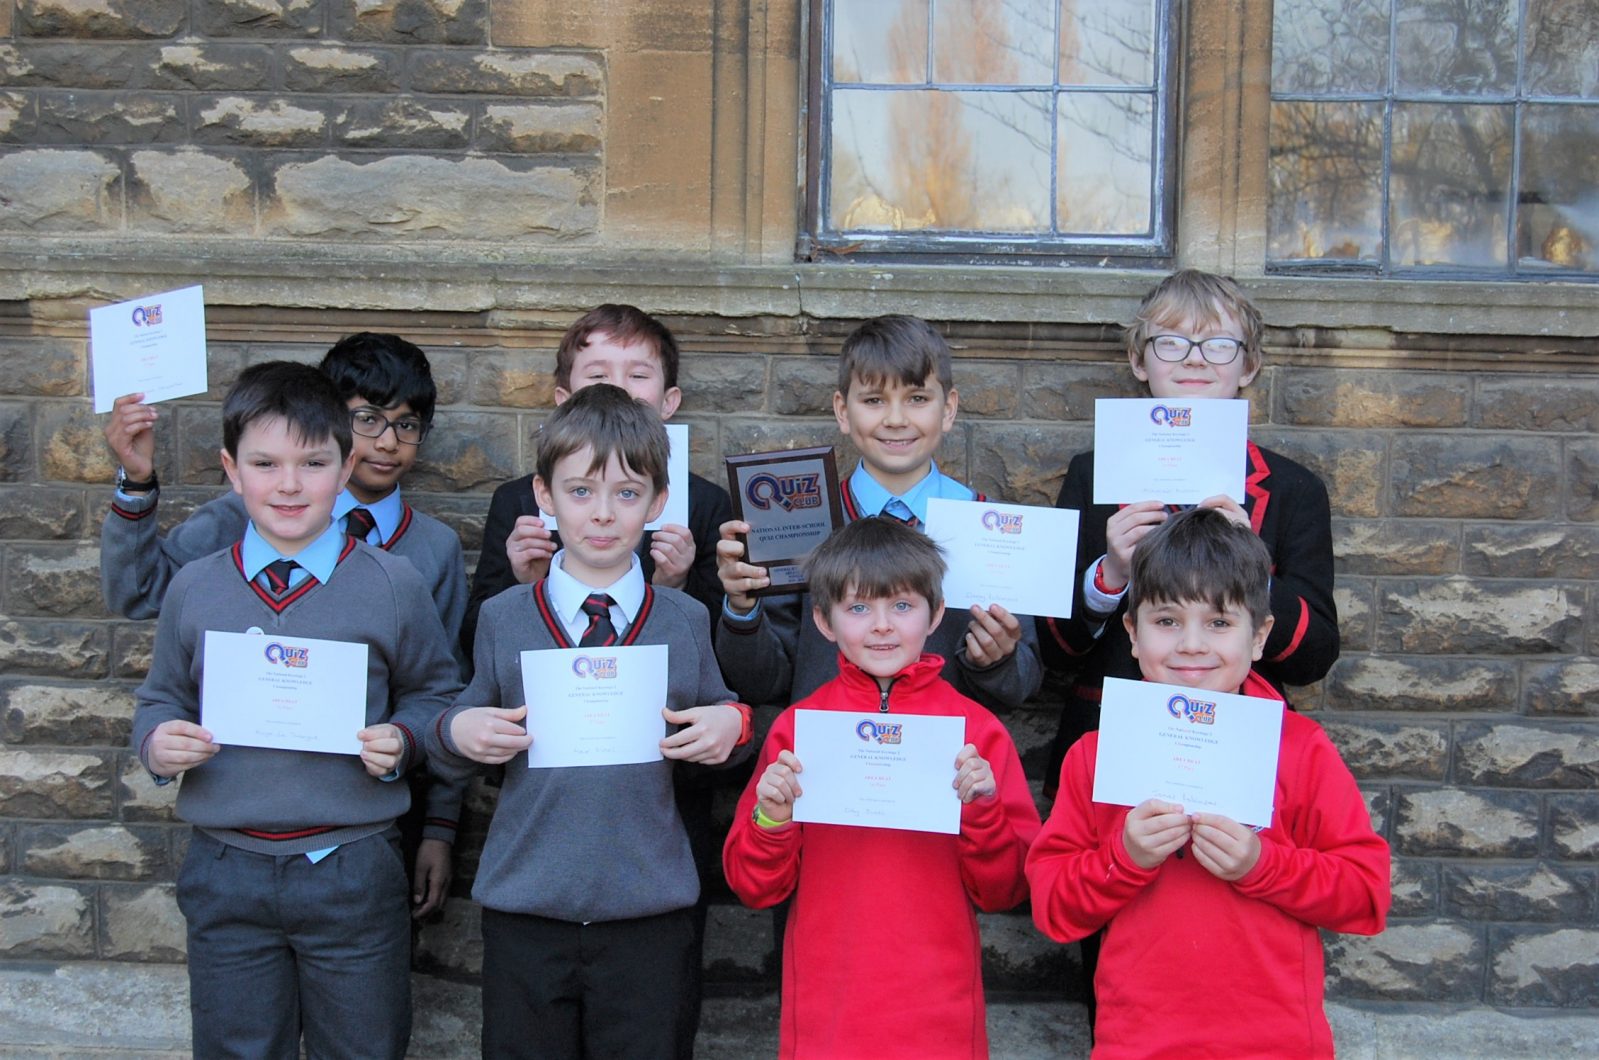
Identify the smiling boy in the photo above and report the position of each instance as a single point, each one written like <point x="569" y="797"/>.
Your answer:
<point x="587" y="881"/>
<point x="1190" y="898"/>
<point x="293" y="887"/>
<point x="883" y="913"/>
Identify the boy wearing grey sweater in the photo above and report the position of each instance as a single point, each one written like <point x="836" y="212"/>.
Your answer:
<point x="586" y="881"/>
<point x="293" y="887"/>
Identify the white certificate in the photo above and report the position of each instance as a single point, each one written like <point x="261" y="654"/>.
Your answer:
<point x="595" y="706"/>
<point x="676" y="510"/>
<point x="1213" y="752"/>
<point x="1178" y="451"/>
<point x="878" y="770"/>
<point x="294" y="693"/>
<point x="1019" y="557"/>
<point x="153" y="345"/>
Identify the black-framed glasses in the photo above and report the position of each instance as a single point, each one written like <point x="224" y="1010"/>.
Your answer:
<point x="369" y="422"/>
<point x="1219" y="350"/>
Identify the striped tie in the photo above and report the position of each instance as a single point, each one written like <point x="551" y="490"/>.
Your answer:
<point x="277" y="576"/>
<point x="359" y="523"/>
<point x="600" y="634"/>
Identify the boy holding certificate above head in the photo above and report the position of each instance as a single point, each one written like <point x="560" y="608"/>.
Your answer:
<point x="895" y="401"/>
<point x="1198" y="897"/>
<point x="881" y="955"/>
<point x="586" y="881"/>
<point x="293" y="887"/>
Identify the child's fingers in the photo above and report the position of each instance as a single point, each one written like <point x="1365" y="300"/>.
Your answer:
<point x="730" y="531"/>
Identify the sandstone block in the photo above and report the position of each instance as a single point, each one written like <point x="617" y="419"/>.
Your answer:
<point x="988" y="389"/>
<point x="46" y="921"/>
<point x="1582" y="475"/>
<point x="98" y="714"/>
<point x="53" y="649"/>
<point x="1390" y="749"/>
<point x="57" y="190"/>
<point x="722" y="384"/>
<point x="1356" y="613"/>
<point x="43" y="783"/>
<point x="142" y="923"/>
<point x="1349" y="463"/>
<point x="69" y="117"/>
<point x="140" y="798"/>
<point x="131" y="647"/>
<point x="18" y="118"/>
<point x="107" y="19"/>
<point x="405" y="122"/>
<point x="1381" y="400"/>
<point x="1021" y="464"/>
<point x="704" y="448"/>
<point x="284" y="19"/>
<point x="515" y="379"/>
<point x="411" y="21"/>
<point x="198" y="452"/>
<point x="7" y="864"/>
<point x="332" y="68"/>
<point x="1415" y="888"/>
<point x="450" y="373"/>
<point x="541" y="128"/>
<point x="187" y="191"/>
<point x="1379" y="805"/>
<point x="765" y="435"/>
<point x="1439" y="961"/>
<point x="739" y="946"/>
<point x="1556" y="967"/>
<point x="54" y="581"/>
<point x="1574" y="826"/>
<point x="1518" y="892"/>
<point x="94" y="852"/>
<point x="477" y="453"/>
<point x="1466" y="617"/>
<point x="1501" y="550"/>
<point x="1454" y="822"/>
<point x="1396" y="546"/>
<point x="1537" y="403"/>
<point x="210" y="67"/>
<point x="248" y="121"/>
<point x="46" y="367"/>
<point x="16" y="442"/>
<point x="71" y="445"/>
<point x="507" y="73"/>
<point x="1567" y="687"/>
<point x="1564" y="755"/>
<point x="1474" y="477"/>
<point x="431" y="198"/>
<point x="1421" y="683"/>
<point x="41" y="513"/>
<point x="803" y="386"/>
<point x="61" y="64"/>
<point x="1059" y="391"/>
<point x="452" y="943"/>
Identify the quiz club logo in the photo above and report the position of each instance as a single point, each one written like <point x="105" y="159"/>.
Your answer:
<point x="788" y="492"/>
<point x="288" y="655"/>
<point x="1172" y="415"/>
<point x="1005" y="524"/>
<point x="599" y="667"/>
<point x="879" y="731"/>
<point x="1197" y="711"/>
<point x="147" y="316"/>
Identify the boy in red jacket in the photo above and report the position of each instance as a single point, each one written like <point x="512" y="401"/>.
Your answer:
<point x="881" y="955"/>
<point x="1196" y="899"/>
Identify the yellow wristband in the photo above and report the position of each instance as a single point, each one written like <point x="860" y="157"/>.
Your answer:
<point x="764" y="821"/>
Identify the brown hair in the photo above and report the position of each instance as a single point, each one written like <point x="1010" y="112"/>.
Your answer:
<point x="894" y="347"/>
<point x="876" y="557"/>
<point x="624" y="323"/>
<point x="1201" y="555"/>
<point x="605" y="419"/>
<point x="1201" y="297"/>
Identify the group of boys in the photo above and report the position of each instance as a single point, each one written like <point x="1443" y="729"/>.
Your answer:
<point x="590" y="879"/>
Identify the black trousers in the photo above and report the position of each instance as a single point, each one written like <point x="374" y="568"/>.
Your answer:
<point x="609" y="989"/>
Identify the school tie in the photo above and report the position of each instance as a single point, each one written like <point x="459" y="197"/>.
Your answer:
<point x="898" y="509"/>
<point x="359" y="523"/>
<point x="277" y="576"/>
<point x="600" y="634"/>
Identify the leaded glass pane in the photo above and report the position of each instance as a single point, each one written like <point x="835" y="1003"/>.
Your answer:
<point x="1449" y="184"/>
<point x="1106" y="151"/>
<point x="880" y="42"/>
<point x="1456" y="47"/>
<point x="1559" y="216"/>
<point x="994" y="42"/>
<point x="1329" y="46"/>
<point x="1107" y="42"/>
<point x="1326" y="181"/>
<point x="1563" y="48"/>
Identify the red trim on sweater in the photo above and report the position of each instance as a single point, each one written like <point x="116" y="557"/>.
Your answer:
<point x="1258" y="473"/>
<point x="552" y="621"/>
<point x="1299" y="632"/>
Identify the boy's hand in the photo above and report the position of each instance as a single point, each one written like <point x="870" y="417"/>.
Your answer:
<point x="431" y="877"/>
<point x="381" y="748"/>
<point x="709" y="734"/>
<point x="779" y="787"/>
<point x="738" y="577"/>
<point x="1123" y="531"/>
<point x="992" y="635"/>
<point x="672" y="549"/>
<point x="490" y="734"/>
<point x="178" y="745"/>
<point x="1227" y="849"/>
<point x="529" y="548"/>
<point x="130" y="432"/>
<point x="1154" y="829"/>
<point x="974" y="777"/>
<point x="1228" y="507"/>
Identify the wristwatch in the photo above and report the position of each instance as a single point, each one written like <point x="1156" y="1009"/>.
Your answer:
<point x="128" y="485"/>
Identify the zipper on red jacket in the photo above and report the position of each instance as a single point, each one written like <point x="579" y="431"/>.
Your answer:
<point x="882" y="696"/>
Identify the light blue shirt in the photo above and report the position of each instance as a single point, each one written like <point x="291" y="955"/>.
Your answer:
<point x="318" y="558"/>
<point x="567" y="595"/>
<point x="872" y="498"/>
<point x="386" y="513"/>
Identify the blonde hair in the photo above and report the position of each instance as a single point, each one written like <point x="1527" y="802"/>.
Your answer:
<point x="1201" y="297"/>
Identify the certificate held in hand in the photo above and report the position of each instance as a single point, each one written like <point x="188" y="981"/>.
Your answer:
<point x="879" y="770"/>
<point x="294" y="694"/>
<point x="1170" y="450"/>
<point x="595" y="706"/>
<point x="1013" y="555"/>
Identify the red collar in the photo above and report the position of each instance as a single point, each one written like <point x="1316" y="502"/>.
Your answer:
<point x="552" y="621"/>
<point x="917" y="677"/>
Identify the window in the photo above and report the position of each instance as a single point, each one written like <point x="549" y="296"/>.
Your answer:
<point x="993" y="127"/>
<point x="1435" y="137"/>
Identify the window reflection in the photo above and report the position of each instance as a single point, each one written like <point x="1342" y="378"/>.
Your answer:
<point x="1451" y="174"/>
<point x="1456" y="48"/>
<point x="1105" y="143"/>
<point x="1107" y="42"/>
<point x="1559" y="213"/>
<point x="1563" y="48"/>
<point x="980" y="42"/>
<point x="1326" y="181"/>
<point x="1329" y="46"/>
<point x="880" y="41"/>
